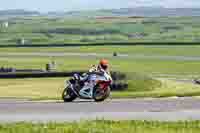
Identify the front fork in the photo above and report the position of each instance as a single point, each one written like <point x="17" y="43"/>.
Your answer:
<point x="70" y="85"/>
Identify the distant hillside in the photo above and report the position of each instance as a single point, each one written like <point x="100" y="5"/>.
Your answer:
<point x="17" y="12"/>
<point x="138" y="11"/>
<point x="156" y="12"/>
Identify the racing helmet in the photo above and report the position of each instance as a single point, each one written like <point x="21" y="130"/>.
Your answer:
<point x="104" y="64"/>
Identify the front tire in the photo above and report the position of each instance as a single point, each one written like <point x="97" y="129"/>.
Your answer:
<point x="68" y="95"/>
<point x="100" y="95"/>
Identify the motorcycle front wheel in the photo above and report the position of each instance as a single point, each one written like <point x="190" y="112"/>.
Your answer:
<point x="100" y="95"/>
<point x="68" y="95"/>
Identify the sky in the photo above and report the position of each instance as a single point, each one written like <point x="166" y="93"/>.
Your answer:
<point x="74" y="5"/>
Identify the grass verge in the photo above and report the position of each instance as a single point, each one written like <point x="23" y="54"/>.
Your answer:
<point x="102" y="126"/>
<point x="51" y="89"/>
<point x="147" y="66"/>
<point x="168" y="89"/>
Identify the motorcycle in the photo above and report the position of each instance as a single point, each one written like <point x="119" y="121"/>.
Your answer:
<point x="97" y="87"/>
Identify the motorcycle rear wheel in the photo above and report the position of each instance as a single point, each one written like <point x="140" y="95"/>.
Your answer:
<point x="68" y="95"/>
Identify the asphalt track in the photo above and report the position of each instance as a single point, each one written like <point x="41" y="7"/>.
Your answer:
<point x="168" y="109"/>
<point x="94" y="55"/>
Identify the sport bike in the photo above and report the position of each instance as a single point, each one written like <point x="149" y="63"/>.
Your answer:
<point x="97" y="87"/>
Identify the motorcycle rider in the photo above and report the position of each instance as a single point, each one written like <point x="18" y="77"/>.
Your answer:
<point x="102" y="68"/>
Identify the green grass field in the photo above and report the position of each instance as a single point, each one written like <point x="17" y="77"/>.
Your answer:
<point x="102" y="126"/>
<point x="58" y="31"/>
<point x="146" y="66"/>
<point x="44" y="30"/>
<point x="51" y="88"/>
<point x="141" y="65"/>
<point x="139" y="86"/>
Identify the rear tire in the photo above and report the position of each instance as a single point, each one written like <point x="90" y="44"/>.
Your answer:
<point x="68" y="95"/>
<point x="100" y="95"/>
